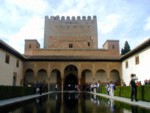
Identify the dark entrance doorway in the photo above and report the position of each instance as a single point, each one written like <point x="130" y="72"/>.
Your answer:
<point x="71" y="83"/>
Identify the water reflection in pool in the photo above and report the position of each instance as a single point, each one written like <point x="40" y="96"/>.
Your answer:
<point x="72" y="103"/>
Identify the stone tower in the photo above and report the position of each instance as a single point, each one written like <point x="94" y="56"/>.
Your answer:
<point x="70" y="32"/>
<point x="31" y="45"/>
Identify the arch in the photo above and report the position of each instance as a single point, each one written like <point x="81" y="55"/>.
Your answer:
<point x="86" y="79"/>
<point x="70" y="77"/>
<point x="114" y="77"/>
<point x="71" y="69"/>
<point x="71" y="82"/>
<point x="55" y="79"/>
<point x="101" y="76"/>
<point x="29" y="77"/>
<point x="42" y="75"/>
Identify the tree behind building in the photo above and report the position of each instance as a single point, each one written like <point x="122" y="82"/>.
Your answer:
<point x="126" y="48"/>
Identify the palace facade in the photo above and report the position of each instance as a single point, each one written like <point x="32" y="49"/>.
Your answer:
<point x="70" y="57"/>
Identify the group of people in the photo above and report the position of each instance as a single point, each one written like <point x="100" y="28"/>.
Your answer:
<point x="40" y="87"/>
<point x="110" y="87"/>
<point x="95" y="87"/>
<point x="147" y="82"/>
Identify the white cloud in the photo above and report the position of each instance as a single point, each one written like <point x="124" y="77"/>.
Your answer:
<point x="32" y="30"/>
<point x="24" y="19"/>
<point x="71" y="12"/>
<point x="35" y="6"/>
<point x="147" y="25"/>
<point x="109" y="23"/>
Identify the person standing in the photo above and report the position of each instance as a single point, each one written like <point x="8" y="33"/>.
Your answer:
<point x="98" y="87"/>
<point x="91" y="87"/>
<point x="95" y="87"/>
<point x="107" y="88"/>
<point x="111" y="88"/>
<point x="56" y="87"/>
<point x="133" y="87"/>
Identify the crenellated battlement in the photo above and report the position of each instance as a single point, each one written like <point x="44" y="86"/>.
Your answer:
<point x="72" y="18"/>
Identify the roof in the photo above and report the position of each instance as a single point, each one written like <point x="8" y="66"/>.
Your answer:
<point x="11" y="50"/>
<point x="145" y="44"/>
<point x="70" y="58"/>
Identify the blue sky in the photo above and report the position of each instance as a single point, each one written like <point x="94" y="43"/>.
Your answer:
<point x="123" y="20"/>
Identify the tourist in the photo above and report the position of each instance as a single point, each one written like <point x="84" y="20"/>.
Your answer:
<point x="112" y="85"/>
<point x="92" y="87"/>
<point x="98" y="87"/>
<point x="138" y="83"/>
<point x="107" y="88"/>
<point x="146" y="82"/>
<point x="37" y="87"/>
<point x="41" y="88"/>
<point x="124" y="84"/>
<point x="95" y="87"/>
<point x="56" y="87"/>
<point x="133" y="87"/>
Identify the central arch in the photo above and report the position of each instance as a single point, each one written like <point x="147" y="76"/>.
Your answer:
<point x="71" y="82"/>
<point x="71" y="78"/>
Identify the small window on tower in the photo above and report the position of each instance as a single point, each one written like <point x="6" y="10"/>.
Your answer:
<point x="37" y="46"/>
<point x="89" y="44"/>
<point x="29" y="45"/>
<point x="113" y="46"/>
<point x="70" y="45"/>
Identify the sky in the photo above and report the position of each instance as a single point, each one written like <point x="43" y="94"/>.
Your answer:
<point x="123" y="20"/>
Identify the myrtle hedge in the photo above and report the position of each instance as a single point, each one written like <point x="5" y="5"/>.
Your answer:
<point x="125" y="91"/>
<point x="15" y="91"/>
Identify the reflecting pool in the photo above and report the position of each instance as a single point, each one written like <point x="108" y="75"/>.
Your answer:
<point x="72" y="103"/>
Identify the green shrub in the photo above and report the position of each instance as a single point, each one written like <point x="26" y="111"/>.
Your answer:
<point x="146" y="95"/>
<point x="15" y="91"/>
<point x="103" y="89"/>
<point x="125" y="91"/>
<point x="117" y="91"/>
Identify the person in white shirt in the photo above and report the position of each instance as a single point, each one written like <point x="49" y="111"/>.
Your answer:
<point x="98" y="87"/>
<point x="111" y="88"/>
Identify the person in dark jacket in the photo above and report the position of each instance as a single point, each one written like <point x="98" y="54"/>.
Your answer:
<point x="133" y="87"/>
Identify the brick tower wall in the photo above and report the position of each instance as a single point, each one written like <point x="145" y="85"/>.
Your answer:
<point x="70" y="32"/>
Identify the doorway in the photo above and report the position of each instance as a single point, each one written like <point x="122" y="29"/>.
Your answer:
<point x="71" y="83"/>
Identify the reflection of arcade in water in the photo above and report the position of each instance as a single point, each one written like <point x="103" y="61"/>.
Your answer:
<point x="69" y="102"/>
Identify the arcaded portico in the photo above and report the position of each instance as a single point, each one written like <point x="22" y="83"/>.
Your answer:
<point x="74" y="73"/>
